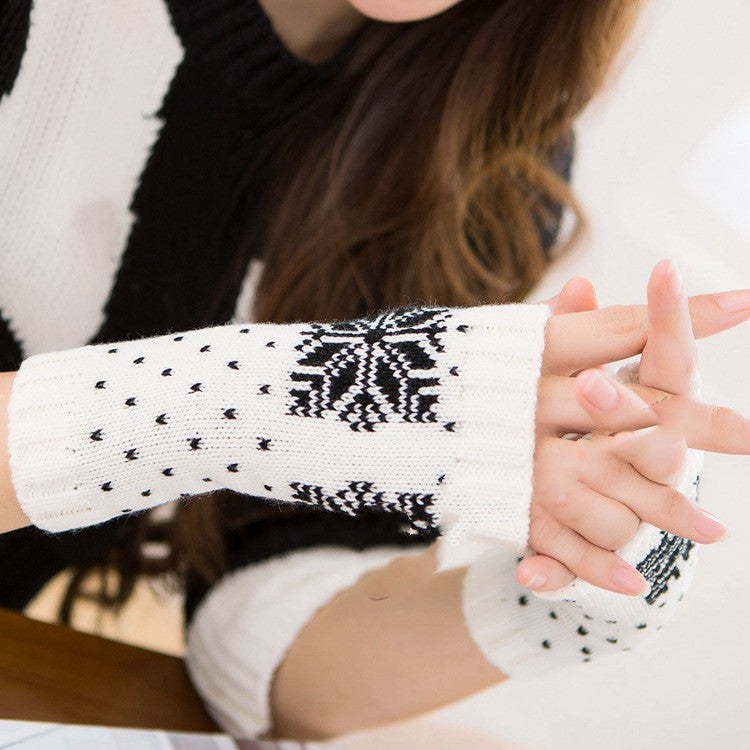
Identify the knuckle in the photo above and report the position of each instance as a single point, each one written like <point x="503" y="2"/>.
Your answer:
<point x="619" y="476"/>
<point x="585" y="558"/>
<point x="625" y="532"/>
<point x="674" y="503"/>
<point x="561" y="501"/>
<point x="685" y="369"/>
<point x="541" y="532"/>
<point x="566" y="506"/>
<point x="623" y="320"/>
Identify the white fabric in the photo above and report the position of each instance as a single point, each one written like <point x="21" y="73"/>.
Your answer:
<point x="247" y="623"/>
<point x="107" y="429"/>
<point x="65" y="195"/>
<point x="525" y="633"/>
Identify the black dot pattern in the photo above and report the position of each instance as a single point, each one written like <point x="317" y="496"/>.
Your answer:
<point x="339" y="415"/>
<point x="585" y="623"/>
<point x="385" y="369"/>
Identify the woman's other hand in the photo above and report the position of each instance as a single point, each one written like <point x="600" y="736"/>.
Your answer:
<point x="590" y="496"/>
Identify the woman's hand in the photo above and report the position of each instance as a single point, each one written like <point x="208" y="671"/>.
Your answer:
<point x="590" y="496"/>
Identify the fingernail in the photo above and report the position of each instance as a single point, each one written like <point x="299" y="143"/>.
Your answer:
<point x="600" y="391"/>
<point x="736" y="301"/>
<point x="629" y="581"/>
<point x="537" y="582"/>
<point x="707" y="524"/>
<point x="674" y="279"/>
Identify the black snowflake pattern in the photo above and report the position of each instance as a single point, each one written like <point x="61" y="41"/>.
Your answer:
<point x="372" y="370"/>
<point x="661" y="564"/>
<point x="357" y="495"/>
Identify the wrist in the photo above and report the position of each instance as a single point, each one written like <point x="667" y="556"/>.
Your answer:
<point x="487" y="493"/>
<point x="11" y="515"/>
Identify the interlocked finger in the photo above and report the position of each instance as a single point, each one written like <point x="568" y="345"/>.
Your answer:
<point x="598" y="566"/>
<point x="669" y="358"/>
<point x="560" y="408"/>
<point x="577" y="340"/>
<point x="658" y="453"/>
<point x="601" y="520"/>
<point x="660" y="505"/>
<point x="706" y="427"/>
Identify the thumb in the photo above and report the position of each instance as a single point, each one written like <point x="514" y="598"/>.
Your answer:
<point x="553" y="303"/>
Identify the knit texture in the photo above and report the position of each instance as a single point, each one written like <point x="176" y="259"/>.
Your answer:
<point x="14" y="29"/>
<point x="109" y="233"/>
<point x="242" y="631"/>
<point x="427" y="412"/>
<point x="526" y="633"/>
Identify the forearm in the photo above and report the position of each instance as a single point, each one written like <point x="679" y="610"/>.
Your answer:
<point x="11" y="515"/>
<point x="404" y="640"/>
<point x="291" y="413"/>
<point x="392" y="646"/>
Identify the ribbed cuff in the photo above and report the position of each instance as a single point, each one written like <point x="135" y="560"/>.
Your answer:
<point x="487" y="494"/>
<point x="524" y="636"/>
<point x="44" y="412"/>
<point x="245" y="626"/>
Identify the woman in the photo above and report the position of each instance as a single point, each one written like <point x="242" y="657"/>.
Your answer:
<point x="380" y="171"/>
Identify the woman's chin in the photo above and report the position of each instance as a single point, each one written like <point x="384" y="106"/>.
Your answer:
<point x="400" y="11"/>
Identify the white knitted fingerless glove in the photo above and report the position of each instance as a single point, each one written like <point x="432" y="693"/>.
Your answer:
<point x="426" y="411"/>
<point x="526" y="633"/>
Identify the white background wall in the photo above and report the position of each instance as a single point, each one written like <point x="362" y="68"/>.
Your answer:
<point x="663" y="170"/>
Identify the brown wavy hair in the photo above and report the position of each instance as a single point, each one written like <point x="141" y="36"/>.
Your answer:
<point x="422" y="171"/>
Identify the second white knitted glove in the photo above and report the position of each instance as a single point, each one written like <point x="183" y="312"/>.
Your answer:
<point x="525" y="633"/>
